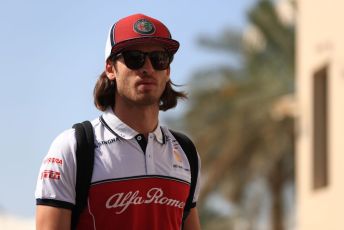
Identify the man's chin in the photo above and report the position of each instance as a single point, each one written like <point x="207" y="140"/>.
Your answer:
<point x="147" y="100"/>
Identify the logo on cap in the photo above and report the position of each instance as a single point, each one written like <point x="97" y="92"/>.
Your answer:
<point x="144" y="27"/>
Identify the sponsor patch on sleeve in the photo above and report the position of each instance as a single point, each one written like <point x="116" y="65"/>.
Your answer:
<point x="50" y="174"/>
<point x="53" y="160"/>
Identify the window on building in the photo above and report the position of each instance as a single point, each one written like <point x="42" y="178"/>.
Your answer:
<point x="320" y="150"/>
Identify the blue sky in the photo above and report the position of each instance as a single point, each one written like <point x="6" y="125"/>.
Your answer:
<point x="51" y="53"/>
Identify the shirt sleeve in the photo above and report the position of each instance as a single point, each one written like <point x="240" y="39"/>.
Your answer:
<point x="56" y="178"/>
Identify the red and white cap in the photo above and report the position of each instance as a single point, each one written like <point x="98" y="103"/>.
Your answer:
<point x="138" y="29"/>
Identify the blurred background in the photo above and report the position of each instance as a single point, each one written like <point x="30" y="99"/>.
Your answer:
<point x="264" y="109"/>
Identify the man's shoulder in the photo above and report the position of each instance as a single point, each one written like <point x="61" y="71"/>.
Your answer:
<point x="178" y="135"/>
<point x="67" y="137"/>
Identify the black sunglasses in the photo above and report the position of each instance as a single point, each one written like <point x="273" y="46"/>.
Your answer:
<point x="135" y="59"/>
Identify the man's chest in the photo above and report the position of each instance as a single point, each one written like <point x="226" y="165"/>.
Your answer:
<point x="139" y="187"/>
<point x="121" y="159"/>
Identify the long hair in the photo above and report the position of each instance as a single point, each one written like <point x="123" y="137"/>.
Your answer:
<point x="105" y="90"/>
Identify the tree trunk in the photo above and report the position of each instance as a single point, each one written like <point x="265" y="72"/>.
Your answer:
<point x="276" y="187"/>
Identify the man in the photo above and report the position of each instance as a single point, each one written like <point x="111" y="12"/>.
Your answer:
<point x="141" y="176"/>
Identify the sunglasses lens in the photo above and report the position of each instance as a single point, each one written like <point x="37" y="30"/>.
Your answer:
<point x="159" y="59"/>
<point x="135" y="59"/>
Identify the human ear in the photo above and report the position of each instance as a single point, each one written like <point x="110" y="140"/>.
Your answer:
<point x="110" y="70"/>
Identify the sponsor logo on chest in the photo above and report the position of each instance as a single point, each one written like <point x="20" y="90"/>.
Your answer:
<point x="121" y="201"/>
<point x="106" y="142"/>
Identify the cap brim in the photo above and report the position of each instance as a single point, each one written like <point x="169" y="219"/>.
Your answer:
<point x="170" y="45"/>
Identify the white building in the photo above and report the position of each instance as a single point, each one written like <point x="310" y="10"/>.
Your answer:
<point x="320" y="129"/>
<point x="8" y="222"/>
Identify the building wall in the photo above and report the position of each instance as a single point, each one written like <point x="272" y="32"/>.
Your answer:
<point x="320" y="42"/>
<point x="8" y="222"/>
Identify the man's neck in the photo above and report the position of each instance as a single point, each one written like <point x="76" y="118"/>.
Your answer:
<point x="143" y="119"/>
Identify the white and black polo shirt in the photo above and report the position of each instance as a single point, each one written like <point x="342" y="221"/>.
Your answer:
<point x="137" y="183"/>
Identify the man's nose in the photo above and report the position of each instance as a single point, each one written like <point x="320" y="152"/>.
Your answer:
<point x="147" y="66"/>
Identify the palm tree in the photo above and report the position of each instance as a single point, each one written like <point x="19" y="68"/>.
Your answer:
<point x="232" y="123"/>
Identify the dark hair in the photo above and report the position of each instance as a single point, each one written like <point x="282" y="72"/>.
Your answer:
<point x="105" y="90"/>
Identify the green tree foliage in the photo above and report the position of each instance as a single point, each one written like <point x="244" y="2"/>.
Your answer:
<point x="234" y="117"/>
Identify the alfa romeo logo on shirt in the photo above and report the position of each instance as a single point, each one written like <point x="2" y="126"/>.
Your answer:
<point x="145" y="27"/>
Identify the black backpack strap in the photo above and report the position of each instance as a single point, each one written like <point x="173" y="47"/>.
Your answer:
<point x="84" y="167"/>
<point x="191" y="153"/>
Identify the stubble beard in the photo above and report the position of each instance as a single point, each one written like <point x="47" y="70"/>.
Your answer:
<point x="141" y="100"/>
<point x="135" y="97"/>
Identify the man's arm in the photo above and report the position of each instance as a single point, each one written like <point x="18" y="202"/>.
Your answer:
<point x="192" y="221"/>
<point x="51" y="218"/>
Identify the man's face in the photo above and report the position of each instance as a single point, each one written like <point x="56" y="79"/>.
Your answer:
<point x="140" y="87"/>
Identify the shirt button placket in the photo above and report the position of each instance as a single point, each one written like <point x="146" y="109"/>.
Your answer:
<point x="149" y="155"/>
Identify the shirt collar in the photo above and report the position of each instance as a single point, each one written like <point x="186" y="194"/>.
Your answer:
<point x="123" y="130"/>
<point x="159" y="135"/>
